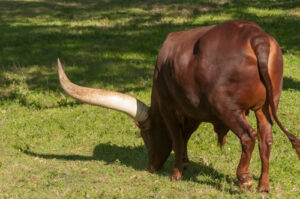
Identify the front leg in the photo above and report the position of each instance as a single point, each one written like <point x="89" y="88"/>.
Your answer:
<point x="185" y="159"/>
<point x="176" y="134"/>
<point x="189" y="126"/>
<point x="178" y="147"/>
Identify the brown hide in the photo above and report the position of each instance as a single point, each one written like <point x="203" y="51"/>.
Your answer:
<point x="217" y="74"/>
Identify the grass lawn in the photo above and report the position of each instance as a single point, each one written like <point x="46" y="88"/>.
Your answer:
<point x="54" y="147"/>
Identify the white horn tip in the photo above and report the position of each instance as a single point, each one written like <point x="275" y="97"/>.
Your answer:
<point x="58" y="62"/>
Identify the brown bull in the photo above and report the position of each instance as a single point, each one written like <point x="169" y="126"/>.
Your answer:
<point x="213" y="74"/>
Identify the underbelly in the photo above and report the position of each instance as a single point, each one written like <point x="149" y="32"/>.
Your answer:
<point x="201" y="111"/>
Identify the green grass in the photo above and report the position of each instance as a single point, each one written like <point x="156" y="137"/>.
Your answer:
<point x="54" y="147"/>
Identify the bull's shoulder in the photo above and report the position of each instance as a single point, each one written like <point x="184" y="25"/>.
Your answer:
<point x="180" y="43"/>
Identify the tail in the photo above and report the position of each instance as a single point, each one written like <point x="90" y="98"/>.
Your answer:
<point x="261" y="47"/>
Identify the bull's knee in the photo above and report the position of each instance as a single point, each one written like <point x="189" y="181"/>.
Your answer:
<point x="247" y="142"/>
<point x="269" y="141"/>
<point x="253" y="134"/>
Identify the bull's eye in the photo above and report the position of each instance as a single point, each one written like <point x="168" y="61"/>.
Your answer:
<point x="144" y="125"/>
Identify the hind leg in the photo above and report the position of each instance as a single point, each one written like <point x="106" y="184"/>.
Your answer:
<point x="247" y="142"/>
<point x="237" y="122"/>
<point x="265" y="140"/>
<point x="185" y="159"/>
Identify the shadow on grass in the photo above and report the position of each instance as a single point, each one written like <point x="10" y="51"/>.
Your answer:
<point x="101" y="51"/>
<point x="290" y="83"/>
<point x="136" y="157"/>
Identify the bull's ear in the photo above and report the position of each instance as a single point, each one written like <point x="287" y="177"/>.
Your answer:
<point x="137" y="123"/>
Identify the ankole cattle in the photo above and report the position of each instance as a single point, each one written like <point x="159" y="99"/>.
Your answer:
<point x="214" y="74"/>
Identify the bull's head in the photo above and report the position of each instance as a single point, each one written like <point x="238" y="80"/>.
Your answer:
<point x="153" y="130"/>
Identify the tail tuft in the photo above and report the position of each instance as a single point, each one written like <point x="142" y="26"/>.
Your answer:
<point x="293" y="139"/>
<point x="296" y="146"/>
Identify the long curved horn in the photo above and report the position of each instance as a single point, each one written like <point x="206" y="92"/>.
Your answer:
<point x="108" y="99"/>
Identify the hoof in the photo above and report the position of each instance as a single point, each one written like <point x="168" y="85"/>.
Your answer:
<point x="245" y="182"/>
<point x="245" y="185"/>
<point x="263" y="188"/>
<point x="153" y="169"/>
<point x="176" y="175"/>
